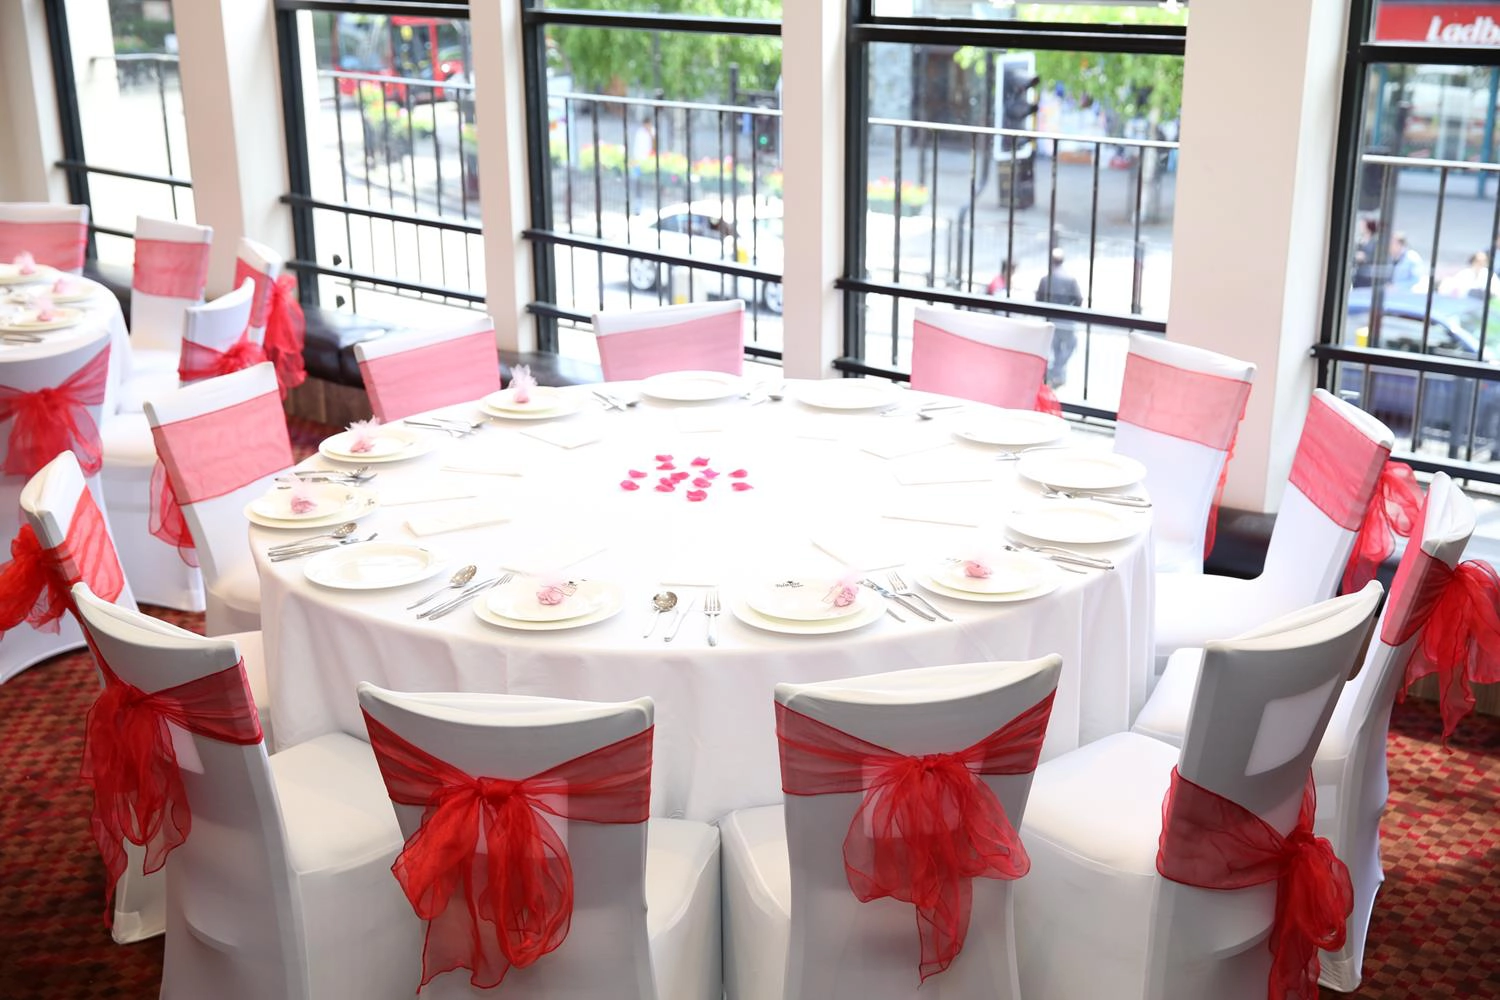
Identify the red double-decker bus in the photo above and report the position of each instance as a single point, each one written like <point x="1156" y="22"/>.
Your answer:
<point x="421" y="48"/>
<point x="1454" y="22"/>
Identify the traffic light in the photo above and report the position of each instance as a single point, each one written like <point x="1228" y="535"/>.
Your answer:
<point x="765" y="129"/>
<point x="1016" y="105"/>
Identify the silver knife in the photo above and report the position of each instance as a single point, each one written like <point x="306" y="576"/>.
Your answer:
<point x="677" y="622"/>
<point x="898" y="599"/>
<point x="464" y="597"/>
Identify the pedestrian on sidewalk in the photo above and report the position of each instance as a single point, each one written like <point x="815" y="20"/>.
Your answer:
<point x="1408" y="271"/>
<point x="1060" y="288"/>
<point x="1000" y="283"/>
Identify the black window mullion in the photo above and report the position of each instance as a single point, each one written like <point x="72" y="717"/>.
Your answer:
<point x="71" y="122"/>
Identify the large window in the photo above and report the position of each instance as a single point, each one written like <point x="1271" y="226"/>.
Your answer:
<point x="1412" y="314"/>
<point x="655" y="169"/>
<point x="1017" y="158"/>
<point x="124" y="136"/>
<point x="383" y="156"/>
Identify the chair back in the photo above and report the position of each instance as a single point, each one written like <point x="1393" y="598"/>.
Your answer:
<point x="211" y="333"/>
<point x="37" y="437"/>
<point x="1180" y="409"/>
<point x="413" y="374"/>
<point x="55" y="235"/>
<point x="262" y="265"/>
<point x="606" y="951"/>
<point x="843" y="949"/>
<point x="696" y="336"/>
<point x="1338" y="463"/>
<point x="980" y="356"/>
<point x="229" y="895"/>
<point x="50" y="501"/>
<point x="223" y="441"/>
<point x="171" y="272"/>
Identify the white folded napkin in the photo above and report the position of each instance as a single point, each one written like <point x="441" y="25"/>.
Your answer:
<point x="422" y="494"/>
<point x="547" y="550"/>
<point x="928" y="472"/>
<point x="567" y="435"/>
<point x="965" y="515"/>
<point x="899" y="443"/>
<point x="456" y="519"/>
<point x="485" y="466"/>
<point x="858" y="548"/>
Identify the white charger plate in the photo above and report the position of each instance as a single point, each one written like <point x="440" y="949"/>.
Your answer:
<point x="517" y="601"/>
<point x="326" y="497"/>
<point x="847" y="393"/>
<point x="1010" y="573"/>
<point x="692" y="386"/>
<point x="372" y="566"/>
<point x="10" y="274"/>
<point x="801" y="599"/>
<point x="1076" y="522"/>
<point x="545" y="402"/>
<point x="869" y="611"/>
<point x="609" y="607"/>
<point x="1053" y="581"/>
<point x="364" y="502"/>
<point x="64" y="319"/>
<point x="1013" y="428"/>
<point x="1080" y="469"/>
<point x="391" y="444"/>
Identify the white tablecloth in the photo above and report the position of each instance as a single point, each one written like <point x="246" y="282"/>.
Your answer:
<point x="102" y="319"/>
<point x="715" y="742"/>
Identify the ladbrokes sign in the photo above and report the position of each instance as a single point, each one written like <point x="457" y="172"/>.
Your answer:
<point x="1439" y="23"/>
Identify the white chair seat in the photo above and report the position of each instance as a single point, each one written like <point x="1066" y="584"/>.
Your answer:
<point x="234" y="600"/>
<point x="1165" y="714"/>
<point x="149" y="379"/>
<point x="682" y="907"/>
<point x="758" y="900"/>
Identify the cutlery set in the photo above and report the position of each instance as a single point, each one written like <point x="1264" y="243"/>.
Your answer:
<point x="294" y="550"/>
<point x="666" y="602"/>
<point x="1119" y="499"/>
<point x="463" y="597"/>
<point x="923" y="412"/>
<point x="909" y="599"/>
<point x="455" y="426"/>
<point x="614" y="402"/>
<point x="1066" y="558"/>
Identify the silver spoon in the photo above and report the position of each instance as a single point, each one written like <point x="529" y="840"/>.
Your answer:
<point x="662" y="602"/>
<point x="461" y="577"/>
<point x="342" y="531"/>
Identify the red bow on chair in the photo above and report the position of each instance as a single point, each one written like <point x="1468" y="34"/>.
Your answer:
<point x="286" y="334"/>
<point x="1212" y="843"/>
<point x="513" y="903"/>
<point x="35" y="584"/>
<point x="1458" y="616"/>
<point x="1047" y="402"/>
<point x="1394" y="510"/>
<point x="129" y="760"/>
<point x="927" y="826"/>
<point x="199" y="361"/>
<point x="51" y="421"/>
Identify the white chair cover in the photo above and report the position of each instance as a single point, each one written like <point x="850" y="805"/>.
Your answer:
<point x="55" y="235"/>
<point x="157" y="310"/>
<point x="792" y="926"/>
<point x="413" y="374"/>
<point x="1094" y="919"/>
<point x="217" y="325"/>
<point x="696" y="336"/>
<point x="980" y="356"/>
<point x="258" y="259"/>
<point x="645" y="920"/>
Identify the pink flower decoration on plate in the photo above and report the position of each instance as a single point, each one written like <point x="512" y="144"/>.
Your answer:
<point x="25" y="263"/>
<point x="975" y="569"/>
<point x="302" y="501"/>
<point x="700" y="461"/>
<point x="521" y="384"/>
<point x="696" y="495"/>
<point x="739" y="474"/>
<point x="364" y="434"/>
<point x="550" y="594"/>
<point x="637" y="474"/>
<point x="46" y="312"/>
<point x="66" y="285"/>
<point x="843" y="593"/>
<point x="629" y="484"/>
<point x="742" y="487"/>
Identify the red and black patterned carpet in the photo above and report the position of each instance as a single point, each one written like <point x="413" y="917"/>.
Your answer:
<point x="1436" y="931"/>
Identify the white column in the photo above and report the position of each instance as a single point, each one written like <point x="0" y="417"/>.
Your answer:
<point x="1254" y="193"/>
<point x="30" y="141"/>
<point x="812" y="133"/>
<point x="231" y="97"/>
<point x="500" y="120"/>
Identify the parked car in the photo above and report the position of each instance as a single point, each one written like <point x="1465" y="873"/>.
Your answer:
<point x="707" y="230"/>
<point x="1453" y="332"/>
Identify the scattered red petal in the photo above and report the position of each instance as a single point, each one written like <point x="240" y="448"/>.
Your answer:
<point x="696" y="495"/>
<point x="665" y="488"/>
<point x="664" y="466"/>
<point x="700" y="461"/>
<point x="664" y="458"/>
<point x="702" y="483"/>
<point x="679" y="476"/>
<point x="667" y="481"/>
<point x="629" y="484"/>
<point x="742" y="486"/>
<point x="739" y="473"/>
<point x="710" y="473"/>
<point x="637" y="474"/>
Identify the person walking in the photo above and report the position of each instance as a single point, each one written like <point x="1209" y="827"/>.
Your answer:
<point x="1060" y="288"/>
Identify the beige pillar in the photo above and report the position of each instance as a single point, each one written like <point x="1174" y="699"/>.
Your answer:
<point x="30" y="141"/>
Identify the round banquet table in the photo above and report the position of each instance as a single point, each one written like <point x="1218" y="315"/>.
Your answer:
<point x="812" y="482"/>
<point x="101" y="320"/>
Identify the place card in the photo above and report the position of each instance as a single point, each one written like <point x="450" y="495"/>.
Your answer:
<point x="549" y="549"/>
<point x="564" y="435"/>
<point x="469" y="516"/>
<point x="399" y="496"/>
<point x="861" y="548"/>
<point x="909" y="442"/>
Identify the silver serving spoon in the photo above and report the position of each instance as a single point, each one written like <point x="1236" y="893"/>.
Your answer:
<point x="342" y="531"/>
<point x="662" y="602"/>
<point x="459" y="578"/>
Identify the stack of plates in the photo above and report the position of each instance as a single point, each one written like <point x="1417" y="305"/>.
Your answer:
<point x="692" y="387"/>
<point x="1012" y="428"/>
<point x="26" y="320"/>
<point x="543" y="402"/>
<point x="515" y="606"/>
<point x="389" y="444"/>
<point x="803" y="606"/>
<point x="332" y="504"/>
<point x="10" y="274"/>
<point x="371" y="566"/>
<point x="1014" y="576"/>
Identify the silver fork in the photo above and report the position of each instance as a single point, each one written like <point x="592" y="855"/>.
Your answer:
<point x="898" y="586"/>
<point x="465" y="596"/>
<point x="711" y="611"/>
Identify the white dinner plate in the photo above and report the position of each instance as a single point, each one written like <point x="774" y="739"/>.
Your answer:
<point x="692" y="387"/>
<point x="1076" y="522"/>
<point x="517" y="600"/>
<point x="1012" y="428"/>
<point x="1010" y="573"/>
<point x="10" y="274"/>
<point x="390" y="444"/>
<point x="868" y="612"/>
<point x="609" y="606"/>
<point x="362" y="501"/>
<point x="27" y="321"/>
<point x="326" y="497"/>
<point x="544" y="400"/>
<point x="85" y="293"/>
<point x="372" y="566"/>
<point x="1080" y="469"/>
<point x="802" y="599"/>
<point x="847" y="393"/>
<point x="1051" y="583"/>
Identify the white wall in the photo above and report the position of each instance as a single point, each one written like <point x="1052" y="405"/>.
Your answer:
<point x="29" y="139"/>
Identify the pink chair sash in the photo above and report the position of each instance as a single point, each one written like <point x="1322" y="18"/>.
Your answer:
<point x="51" y="421"/>
<point x="956" y="366"/>
<point x="1395" y="509"/>
<point x="711" y="344"/>
<point x="275" y="309"/>
<point x="170" y="268"/>
<point x="36" y="585"/>
<point x="1188" y="405"/>
<point x="423" y="378"/>
<point x="211" y="455"/>
<point x="199" y="361"/>
<point x="59" y="244"/>
<point x="512" y="903"/>
<point x="927" y="826"/>
<point x="1337" y="466"/>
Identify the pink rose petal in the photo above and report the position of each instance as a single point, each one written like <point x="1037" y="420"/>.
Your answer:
<point x="667" y="481"/>
<point x="678" y="477"/>
<point x="629" y="484"/>
<point x="664" y="458"/>
<point x="741" y="487"/>
<point x="739" y="473"/>
<point x="702" y="483"/>
<point x="637" y="474"/>
<point x="710" y="473"/>
<point x="700" y="461"/>
<point x="696" y="495"/>
<point x="664" y="466"/>
<point x="666" y="488"/>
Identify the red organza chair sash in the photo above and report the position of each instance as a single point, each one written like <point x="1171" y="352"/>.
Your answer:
<point x="59" y="244"/>
<point x="1395" y="509"/>
<point x="1211" y="842"/>
<point x="48" y="422"/>
<point x="434" y="375"/>
<point x="199" y="361"/>
<point x="223" y="450"/>
<point x="1337" y="466"/>
<point x="170" y="268"/>
<point x="513" y="903"/>
<point x="275" y="309"/>
<point x="957" y="366"/>
<point x="129" y="760"/>
<point x="927" y="826"/>
<point x="35" y="584"/>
